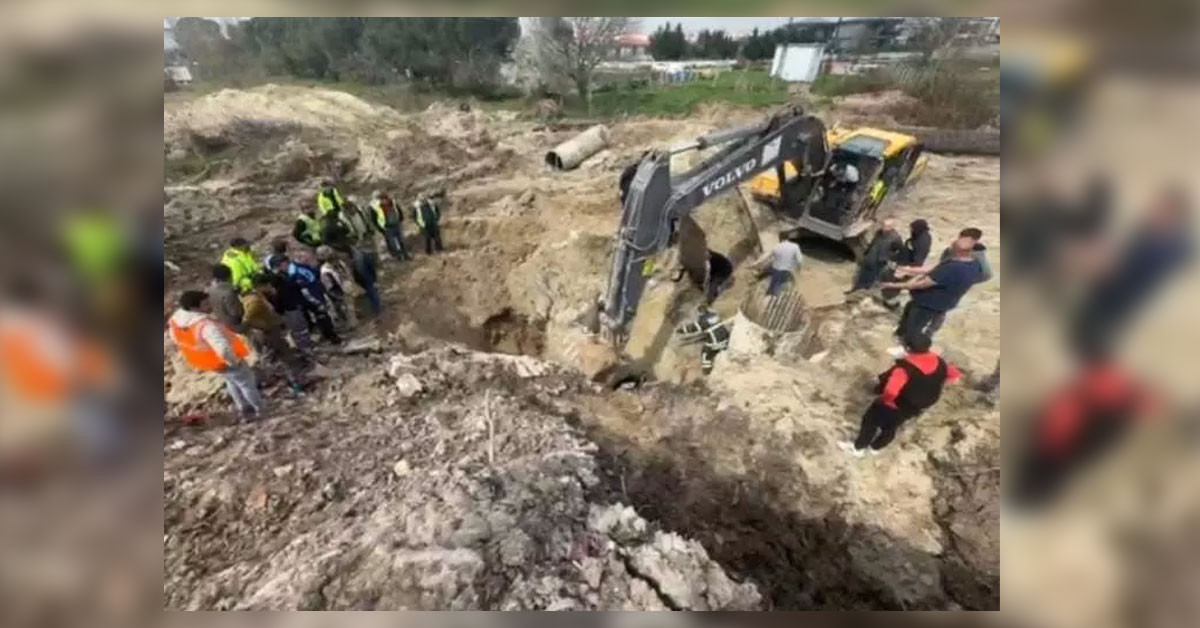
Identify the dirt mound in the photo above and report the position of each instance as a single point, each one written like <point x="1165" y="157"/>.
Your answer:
<point x="474" y="493"/>
<point x="274" y="134"/>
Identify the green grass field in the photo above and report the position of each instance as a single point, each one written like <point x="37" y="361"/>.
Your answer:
<point x="749" y="88"/>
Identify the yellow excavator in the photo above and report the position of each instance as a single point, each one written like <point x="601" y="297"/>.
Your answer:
<point x="791" y="146"/>
<point x="885" y="161"/>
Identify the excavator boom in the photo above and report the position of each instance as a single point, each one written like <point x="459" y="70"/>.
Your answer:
<point x="656" y="198"/>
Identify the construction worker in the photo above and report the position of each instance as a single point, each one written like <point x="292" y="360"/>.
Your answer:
<point x="267" y="326"/>
<point x="224" y="299"/>
<point x="785" y="258"/>
<point x="712" y="330"/>
<point x="978" y="251"/>
<point x="885" y="247"/>
<point x="389" y="221"/>
<point x="307" y="229"/>
<point x="912" y="385"/>
<point x="304" y="274"/>
<point x="336" y="232"/>
<point x="208" y="345"/>
<point x="427" y="215"/>
<point x="242" y="265"/>
<point x="54" y="381"/>
<point x="333" y="277"/>
<point x="329" y="198"/>
<point x="288" y="301"/>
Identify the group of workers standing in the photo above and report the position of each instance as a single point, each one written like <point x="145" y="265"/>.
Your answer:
<point x="279" y="301"/>
<point x="893" y="264"/>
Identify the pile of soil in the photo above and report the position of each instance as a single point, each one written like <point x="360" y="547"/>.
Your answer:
<point x="464" y="487"/>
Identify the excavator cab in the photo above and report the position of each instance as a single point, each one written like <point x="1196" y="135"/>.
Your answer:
<point x="826" y="202"/>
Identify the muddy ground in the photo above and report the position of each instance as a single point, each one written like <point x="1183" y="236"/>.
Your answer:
<point x="743" y="464"/>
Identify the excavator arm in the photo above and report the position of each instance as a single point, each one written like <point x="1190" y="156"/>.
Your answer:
<point x="656" y="198"/>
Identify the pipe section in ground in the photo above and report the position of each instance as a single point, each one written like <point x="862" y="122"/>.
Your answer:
<point x="574" y="151"/>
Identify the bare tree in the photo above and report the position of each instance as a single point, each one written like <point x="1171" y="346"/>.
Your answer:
<point x="934" y="33"/>
<point x="574" y="46"/>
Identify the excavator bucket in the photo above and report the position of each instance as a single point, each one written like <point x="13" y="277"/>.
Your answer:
<point x="693" y="250"/>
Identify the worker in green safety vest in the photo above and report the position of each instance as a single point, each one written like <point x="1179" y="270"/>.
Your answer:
<point x="427" y="214"/>
<point x="390" y="220"/>
<point x="242" y="264"/>
<point x="328" y="197"/>
<point x="307" y="229"/>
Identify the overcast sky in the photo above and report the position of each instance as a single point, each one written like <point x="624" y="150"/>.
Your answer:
<point x="733" y="25"/>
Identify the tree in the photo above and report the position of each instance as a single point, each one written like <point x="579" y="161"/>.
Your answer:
<point x="667" y="43"/>
<point x="933" y="33"/>
<point x="757" y="46"/>
<point x="714" y="44"/>
<point x="576" y="45"/>
<point x="459" y="52"/>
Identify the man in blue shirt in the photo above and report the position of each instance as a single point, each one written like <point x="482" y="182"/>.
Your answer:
<point x="938" y="292"/>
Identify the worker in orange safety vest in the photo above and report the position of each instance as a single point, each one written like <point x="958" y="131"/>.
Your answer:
<point x="208" y="345"/>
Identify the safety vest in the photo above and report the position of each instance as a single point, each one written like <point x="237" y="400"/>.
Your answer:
<point x="97" y="244"/>
<point x="420" y="206"/>
<point x="312" y="228"/>
<point x="325" y="203"/>
<point x="197" y="352"/>
<point x="44" y="364"/>
<point x="381" y="214"/>
<point x="877" y="189"/>
<point x="243" y="267"/>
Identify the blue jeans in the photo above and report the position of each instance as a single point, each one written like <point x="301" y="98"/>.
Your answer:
<point x="778" y="279"/>
<point x="364" y="275"/>
<point x="394" y="239"/>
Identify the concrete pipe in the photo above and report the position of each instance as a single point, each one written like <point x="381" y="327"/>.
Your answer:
<point x="572" y="152"/>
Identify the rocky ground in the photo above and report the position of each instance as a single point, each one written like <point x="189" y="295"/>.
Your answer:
<point x="383" y="488"/>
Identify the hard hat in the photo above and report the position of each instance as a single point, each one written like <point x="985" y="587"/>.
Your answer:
<point x="377" y="194"/>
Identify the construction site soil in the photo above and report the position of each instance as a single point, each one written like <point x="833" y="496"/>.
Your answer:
<point x="464" y="452"/>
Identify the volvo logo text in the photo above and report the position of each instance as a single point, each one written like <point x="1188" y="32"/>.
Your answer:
<point x="728" y="178"/>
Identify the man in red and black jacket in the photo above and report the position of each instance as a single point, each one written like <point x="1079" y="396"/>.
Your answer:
<point x="1081" y="422"/>
<point x="908" y="388"/>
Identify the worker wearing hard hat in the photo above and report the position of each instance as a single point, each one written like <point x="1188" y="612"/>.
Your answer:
<point x="389" y="220"/>
<point x="712" y="330"/>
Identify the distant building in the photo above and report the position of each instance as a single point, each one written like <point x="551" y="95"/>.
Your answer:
<point x="633" y="47"/>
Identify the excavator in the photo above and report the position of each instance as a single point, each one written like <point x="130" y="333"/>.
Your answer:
<point x="657" y="200"/>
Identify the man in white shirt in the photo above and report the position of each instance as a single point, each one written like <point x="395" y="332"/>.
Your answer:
<point x="785" y="258"/>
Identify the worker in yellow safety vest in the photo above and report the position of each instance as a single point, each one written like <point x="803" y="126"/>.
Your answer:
<point x="241" y="264"/>
<point x="328" y="197"/>
<point x="307" y="229"/>
<point x="390" y="221"/>
<point x="208" y="345"/>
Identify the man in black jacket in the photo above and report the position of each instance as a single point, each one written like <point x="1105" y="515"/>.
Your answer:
<point x="885" y="247"/>
<point x="916" y="249"/>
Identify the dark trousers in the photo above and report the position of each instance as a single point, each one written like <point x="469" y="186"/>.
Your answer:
<point x="879" y="425"/>
<point x="320" y="319"/>
<point x="707" y="355"/>
<point x="433" y="239"/>
<point x="867" y="275"/>
<point x="394" y="238"/>
<point x="364" y="271"/>
<point x="778" y="279"/>
<point x="919" y="320"/>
